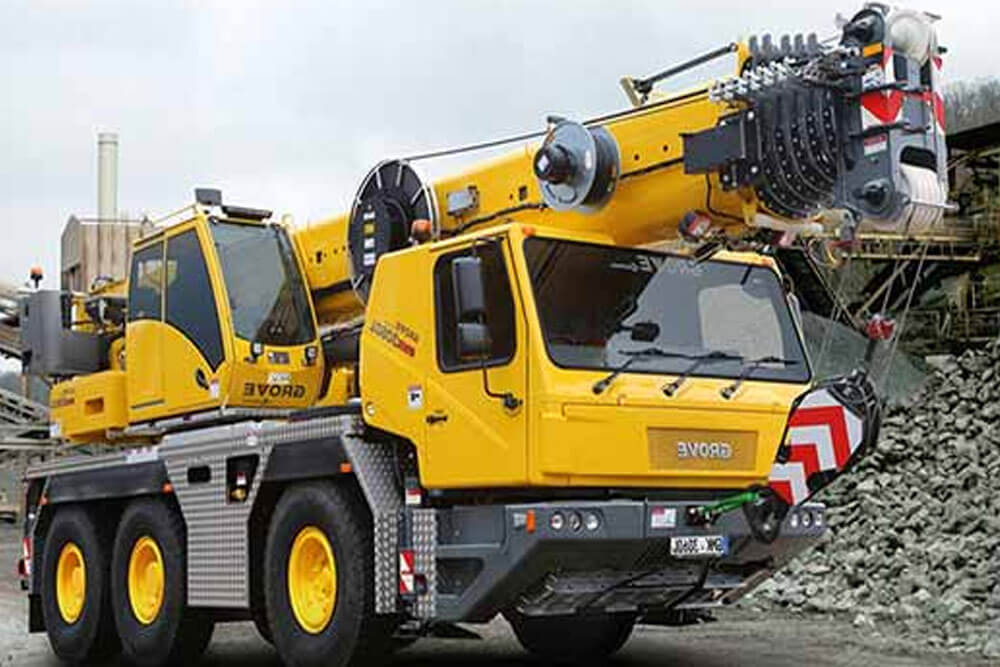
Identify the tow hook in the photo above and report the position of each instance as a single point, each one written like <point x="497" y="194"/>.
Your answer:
<point x="706" y="515"/>
<point x="765" y="515"/>
<point x="763" y="509"/>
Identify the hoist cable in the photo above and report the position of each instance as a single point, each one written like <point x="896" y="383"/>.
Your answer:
<point x="838" y="299"/>
<point x="902" y="322"/>
<point x="637" y="112"/>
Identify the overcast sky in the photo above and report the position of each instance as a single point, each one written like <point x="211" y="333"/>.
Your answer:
<point x="285" y="105"/>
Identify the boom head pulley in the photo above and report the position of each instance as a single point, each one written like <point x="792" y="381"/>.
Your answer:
<point x="857" y="126"/>
<point x="577" y="167"/>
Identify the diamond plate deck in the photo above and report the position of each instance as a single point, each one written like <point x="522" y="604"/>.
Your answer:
<point x="425" y="560"/>
<point x="374" y="464"/>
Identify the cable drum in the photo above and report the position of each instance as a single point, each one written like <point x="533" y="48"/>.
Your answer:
<point x="390" y="198"/>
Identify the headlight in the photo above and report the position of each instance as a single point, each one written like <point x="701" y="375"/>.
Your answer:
<point x="591" y="521"/>
<point x="793" y="520"/>
<point x="806" y="519"/>
<point x="818" y="519"/>
<point x="557" y="521"/>
<point x="575" y="521"/>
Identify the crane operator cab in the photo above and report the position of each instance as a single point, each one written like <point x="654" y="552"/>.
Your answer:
<point x="218" y="318"/>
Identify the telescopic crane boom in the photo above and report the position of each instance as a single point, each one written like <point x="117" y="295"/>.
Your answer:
<point x="804" y="133"/>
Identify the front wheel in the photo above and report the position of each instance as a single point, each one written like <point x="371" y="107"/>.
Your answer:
<point x="572" y="639"/>
<point x="319" y="577"/>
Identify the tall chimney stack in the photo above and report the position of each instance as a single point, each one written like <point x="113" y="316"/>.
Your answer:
<point x="107" y="176"/>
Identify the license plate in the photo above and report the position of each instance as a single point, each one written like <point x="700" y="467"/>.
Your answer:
<point x="698" y="546"/>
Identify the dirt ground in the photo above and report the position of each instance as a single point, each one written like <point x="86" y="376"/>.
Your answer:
<point x="737" y="638"/>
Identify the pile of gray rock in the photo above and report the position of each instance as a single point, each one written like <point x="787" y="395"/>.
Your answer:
<point x="913" y="549"/>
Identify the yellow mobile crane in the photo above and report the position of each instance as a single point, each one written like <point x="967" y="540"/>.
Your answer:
<point x="489" y="394"/>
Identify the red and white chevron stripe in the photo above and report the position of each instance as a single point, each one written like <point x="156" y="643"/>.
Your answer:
<point x="407" y="579"/>
<point x="822" y="436"/>
<point x="885" y="107"/>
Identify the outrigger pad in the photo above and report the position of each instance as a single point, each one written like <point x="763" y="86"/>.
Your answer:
<point x="830" y="428"/>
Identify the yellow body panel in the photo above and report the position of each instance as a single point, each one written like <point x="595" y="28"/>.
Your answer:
<point x="144" y="364"/>
<point x="651" y="197"/>
<point x="480" y="443"/>
<point x="322" y="248"/>
<point x="161" y="362"/>
<point x="182" y="362"/>
<point x="563" y="435"/>
<point x="341" y="388"/>
<point x="88" y="406"/>
<point x="269" y="383"/>
<point x="610" y="433"/>
<point x="397" y="344"/>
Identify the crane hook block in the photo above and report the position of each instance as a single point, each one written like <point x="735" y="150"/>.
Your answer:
<point x="577" y="167"/>
<point x="390" y="198"/>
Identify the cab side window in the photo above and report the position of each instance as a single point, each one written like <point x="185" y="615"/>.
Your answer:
<point x="499" y="309"/>
<point x="145" y="285"/>
<point x="191" y="304"/>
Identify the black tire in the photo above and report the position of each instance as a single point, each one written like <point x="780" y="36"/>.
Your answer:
<point x="90" y="638"/>
<point x="353" y="632"/>
<point x="178" y="634"/>
<point x="259" y="617"/>
<point x="258" y="600"/>
<point x="572" y="639"/>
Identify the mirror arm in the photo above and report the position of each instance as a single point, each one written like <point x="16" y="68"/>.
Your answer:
<point x="510" y="401"/>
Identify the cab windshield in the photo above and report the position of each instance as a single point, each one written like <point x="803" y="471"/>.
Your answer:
<point x="601" y="306"/>
<point x="266" y="294"/>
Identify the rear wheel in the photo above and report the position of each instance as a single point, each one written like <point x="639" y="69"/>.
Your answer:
<point x="149" y="588"/>
<point x="75" y="596"/>
<point x="319" y="578"/>
<point x="572" y="639"/>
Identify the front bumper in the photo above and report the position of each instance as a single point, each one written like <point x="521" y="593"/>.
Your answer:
<point x="492" y="559"/>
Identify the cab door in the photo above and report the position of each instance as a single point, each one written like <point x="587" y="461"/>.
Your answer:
<point x="472" y="437"/>
<point x="192" y="345"/>
<point x="144" y="334"/>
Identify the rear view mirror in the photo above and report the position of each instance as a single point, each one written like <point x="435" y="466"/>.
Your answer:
<point x="470" y="300"/>
<point x="473" y="340"/>
<point x="472" y="334"/>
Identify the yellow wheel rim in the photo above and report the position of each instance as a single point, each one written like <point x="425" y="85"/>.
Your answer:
<point x="71" y="582"/>
<point x="312" y="580"/>
<point x="146" y="580"/>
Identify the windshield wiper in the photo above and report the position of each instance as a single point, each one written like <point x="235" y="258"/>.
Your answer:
<point x="749" y="366"/>
<point x="632" y="355"/>
<point x="699" y="359"/>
